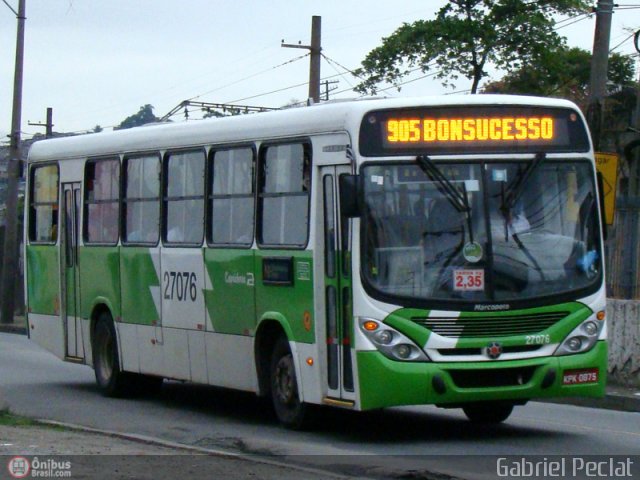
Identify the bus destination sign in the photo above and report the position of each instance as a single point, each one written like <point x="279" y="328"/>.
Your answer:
<point x="472" y="129"/>
<point x="414" y="130"/>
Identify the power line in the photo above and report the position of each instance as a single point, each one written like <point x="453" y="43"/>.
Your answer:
<point x="331" y="62"/>
<point x="583" y="16"/>
<point x="628" y="37"/>
<point x="341" y="66"/>
<point x="293" y="60"/>
<point x="269" y="93"/>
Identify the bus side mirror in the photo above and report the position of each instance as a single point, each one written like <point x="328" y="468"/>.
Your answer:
<point x="349" y="206"/>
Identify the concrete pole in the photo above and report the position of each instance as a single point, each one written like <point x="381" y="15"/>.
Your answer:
<point x="314" y="65"/>
<point x="10" y="256"/>
<point x="315" y="48"/>
<point x="49" y="126"/>
<point x="599" y="66"/>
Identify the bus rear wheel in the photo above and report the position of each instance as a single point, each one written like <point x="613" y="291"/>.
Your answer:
<point x="488" y="412"/>
<point x="111" y="380"/>
<point x="290" y="410"/>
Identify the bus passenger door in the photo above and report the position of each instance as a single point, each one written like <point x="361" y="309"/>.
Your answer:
<point x="334" y="244"/>
<point x="74" y="349"/>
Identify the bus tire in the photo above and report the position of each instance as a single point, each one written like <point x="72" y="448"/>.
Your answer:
<point x="111" y="380"/>
<point x="488" y="412"/>
<point x="291" y="412"/>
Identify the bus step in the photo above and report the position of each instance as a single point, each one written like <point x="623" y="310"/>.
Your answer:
<point x="336" y="402"/>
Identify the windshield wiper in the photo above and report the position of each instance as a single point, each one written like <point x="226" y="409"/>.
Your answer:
<point x="515" y="189"/>
<point x="457" y="198"/>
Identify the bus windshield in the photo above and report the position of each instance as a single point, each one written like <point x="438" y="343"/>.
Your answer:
<point x="479" y="231"/>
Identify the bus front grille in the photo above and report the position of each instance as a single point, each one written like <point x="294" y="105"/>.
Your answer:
<point x="491" y="326"/>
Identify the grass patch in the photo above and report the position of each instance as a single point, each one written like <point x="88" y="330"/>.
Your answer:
<point x="9" y="419"/>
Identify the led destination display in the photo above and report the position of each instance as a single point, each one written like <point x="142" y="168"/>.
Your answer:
<point x="472" y="129"/>
<point x="469" y="129"/>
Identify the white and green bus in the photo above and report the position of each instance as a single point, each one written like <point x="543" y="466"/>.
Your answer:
<point x="362" y="254"/>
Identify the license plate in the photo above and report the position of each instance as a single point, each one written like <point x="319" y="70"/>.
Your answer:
<point x="577" y="377"/>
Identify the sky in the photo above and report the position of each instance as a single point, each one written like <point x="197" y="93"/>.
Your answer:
<point x="96" y="62"/>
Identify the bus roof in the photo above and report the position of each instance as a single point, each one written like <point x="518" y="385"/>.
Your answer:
<point x="320" y="118"/>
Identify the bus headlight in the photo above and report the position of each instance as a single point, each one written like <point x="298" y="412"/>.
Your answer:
<point x="582" y="338"/>
<point x="390" y="342"/>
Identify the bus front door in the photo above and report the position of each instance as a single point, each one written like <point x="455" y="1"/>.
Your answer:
<point x="74" y="349"/>
<point x="335" y="245"/>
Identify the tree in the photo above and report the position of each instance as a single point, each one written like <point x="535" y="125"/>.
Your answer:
<point x="144" y="115"/>
<point x="564" y="72"/>
<point x="465" y="38"/>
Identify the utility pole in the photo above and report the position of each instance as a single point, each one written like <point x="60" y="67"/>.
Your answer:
<point x="314" y="63"/>
<point x="327" y="89"/>
<point x="10" y="254"/>
<point x="599" y="66"/>
<point x="48" y="125"/>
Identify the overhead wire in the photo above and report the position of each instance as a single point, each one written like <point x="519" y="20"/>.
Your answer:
<point x="293" y="60"/>
<point x="628" y="37"/>
<point x="582" y="16"/>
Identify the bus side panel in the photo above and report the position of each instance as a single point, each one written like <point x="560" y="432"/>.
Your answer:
<point x="231" y="318"/>
<point x="140" y="284"/>
<point x="287" y="289"/>
<point x="230" y="300"/>
<point x="230" y="361"/>
<point x="99" y="280"/>
<point x="140" y="288"/>
<point x="43" y="298"/>
<point x="43" y="288"/>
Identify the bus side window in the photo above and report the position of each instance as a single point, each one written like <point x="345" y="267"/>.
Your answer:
<point x="43" y="218"/>
<point x="102" y="199"/>
<point x="141" y="207"/>
<point x="184" y="197"/>
<point x="232" y="197"/>
<point x="285" y="185"/>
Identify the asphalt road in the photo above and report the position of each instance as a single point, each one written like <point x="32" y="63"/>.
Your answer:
<point x="408" y="442"/>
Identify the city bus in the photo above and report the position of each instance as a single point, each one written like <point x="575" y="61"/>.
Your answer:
<point x="361" y="255"/>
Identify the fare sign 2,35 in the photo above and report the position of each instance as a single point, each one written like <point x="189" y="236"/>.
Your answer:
<point x="468" y="280"/>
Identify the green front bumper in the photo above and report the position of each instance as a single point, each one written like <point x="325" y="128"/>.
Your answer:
<point x="386" y="383"/>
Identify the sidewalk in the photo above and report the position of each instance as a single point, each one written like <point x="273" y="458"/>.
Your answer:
<point x="618" y="397"/>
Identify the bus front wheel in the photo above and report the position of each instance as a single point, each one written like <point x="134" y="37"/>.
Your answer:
<point x="291" y="412"/>
<point x="488" y="412"/>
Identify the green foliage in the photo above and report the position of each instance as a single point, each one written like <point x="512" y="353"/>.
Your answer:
<point x="563" y="72"/>
<point x="465" y="38"/>
<point x="11" y="420"/>
<point x="145" y="115"/>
